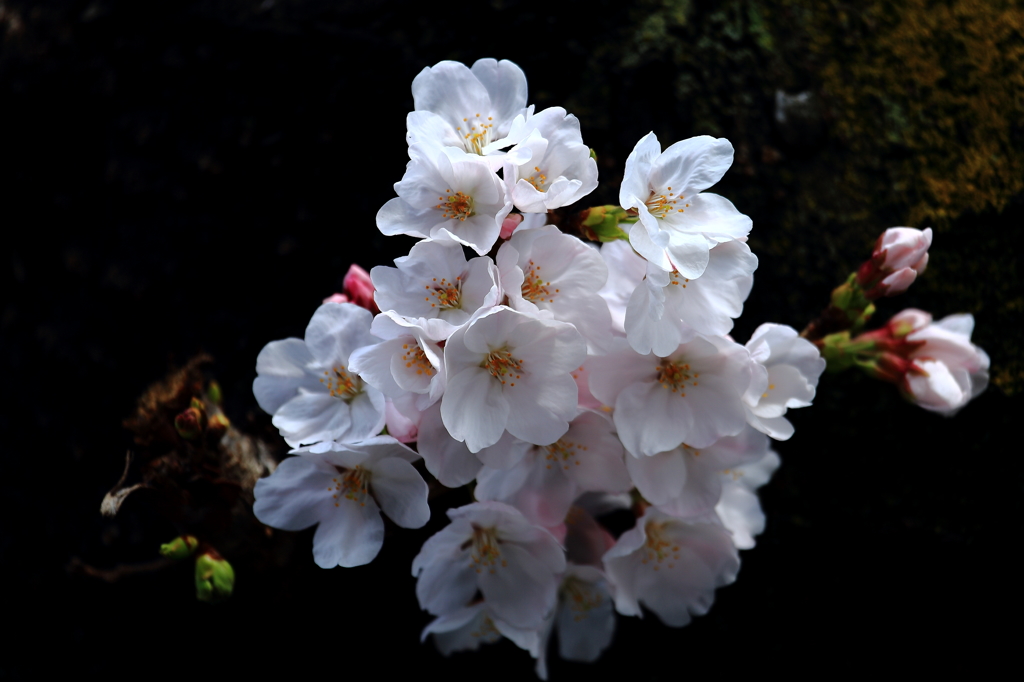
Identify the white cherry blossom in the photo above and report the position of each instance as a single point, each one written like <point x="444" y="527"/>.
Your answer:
<point x="669" y="309"/>
<point x="344" y="488"/>
<point x="739" y="509"/>
<point x="679" y="222"/>
<point x="468" y="110"/>
<point x="441" y="198"/>
<point x="551" y="167"/>
<point x="409" y="360"/>
<point x="584" y="619"/>
<point x="308" y="386"/>
<point x="436" y="281"/>
<point x="492" y="548"/>
<point x="671" y="566"/>
<point x="785" y="375"/>
<point x="694" y="395"/>
<point x="511" y="372"/>
<point x="547" y="273"/>
<point x="687" y="482"/>
<point x="546" y="479"/>
<point x="467" y="628"/>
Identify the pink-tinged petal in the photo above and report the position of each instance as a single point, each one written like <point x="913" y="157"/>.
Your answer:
<point x="660" y="477"/>
<point x="608" y="375"/>
<point x="504" y="454"/>
<point x="350" y="537"/>
<point x="599" y="465"/>
<point x="516" y="588"/>
<point x="447" y="459"/>
<point x="741" y="514"/>
<point x="539" y="410"/>
<point x="650" y="418"/>
<point x="401" y="492"/>
<point x="294" y="496"/>
<point x="474" y="410"/>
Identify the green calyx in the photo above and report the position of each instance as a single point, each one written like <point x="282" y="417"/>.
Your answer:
<point x="180" y="547"/>
<point x="601" y="223"/>
<point x="215" y="578"/>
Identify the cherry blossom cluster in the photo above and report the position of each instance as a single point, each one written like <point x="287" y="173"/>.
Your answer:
<point x="562" y="380"/>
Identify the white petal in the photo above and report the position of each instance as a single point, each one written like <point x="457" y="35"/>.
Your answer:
<point x="401" y="492"/>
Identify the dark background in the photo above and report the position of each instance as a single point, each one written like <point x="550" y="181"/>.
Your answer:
<point x="186" y="176"/>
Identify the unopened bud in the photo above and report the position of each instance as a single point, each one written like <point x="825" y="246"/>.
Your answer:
<point x="900" y="255"/>
<point x="191" y="423"/>
<point x="180" y="547"/>
<point x="601" y="223"/>
<point x="509" y="225"/>
<point x="215" y="579"/>
<point x="359" y="289"/>
<point x="214" y="394"/>
<point x="217" y="427"/>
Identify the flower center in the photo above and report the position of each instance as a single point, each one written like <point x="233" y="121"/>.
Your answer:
<point x="502" y="366"/>
<point x="415" y="357"/>
<point x="539" y="180"/>
<point x="342" y="385"/>
<point x="485" y="552"/>
<point x="660" y="205"/>
<point x="487" y="631"/>
<point x="534" y="287"/>
<point x="562" y="453"/>
<point x="447" y="294"/>
<point x="456" y="206"/>
<point x="677" y="279"/>
<point x="352" y="484"/>
<point x="658" y="548"/>
<point x="676" y="375"/>
<point x="580" y="597"/>
<point x="476" y="134"/>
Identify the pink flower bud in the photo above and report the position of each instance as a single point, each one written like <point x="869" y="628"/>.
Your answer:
<point x="359" y="289"/>
<point x="896" y="283"/>
<point x="336" y="298"/>
<point x="903" y="247"/>
<point x="900" y="255"/>
<point x="510" y="224"/>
